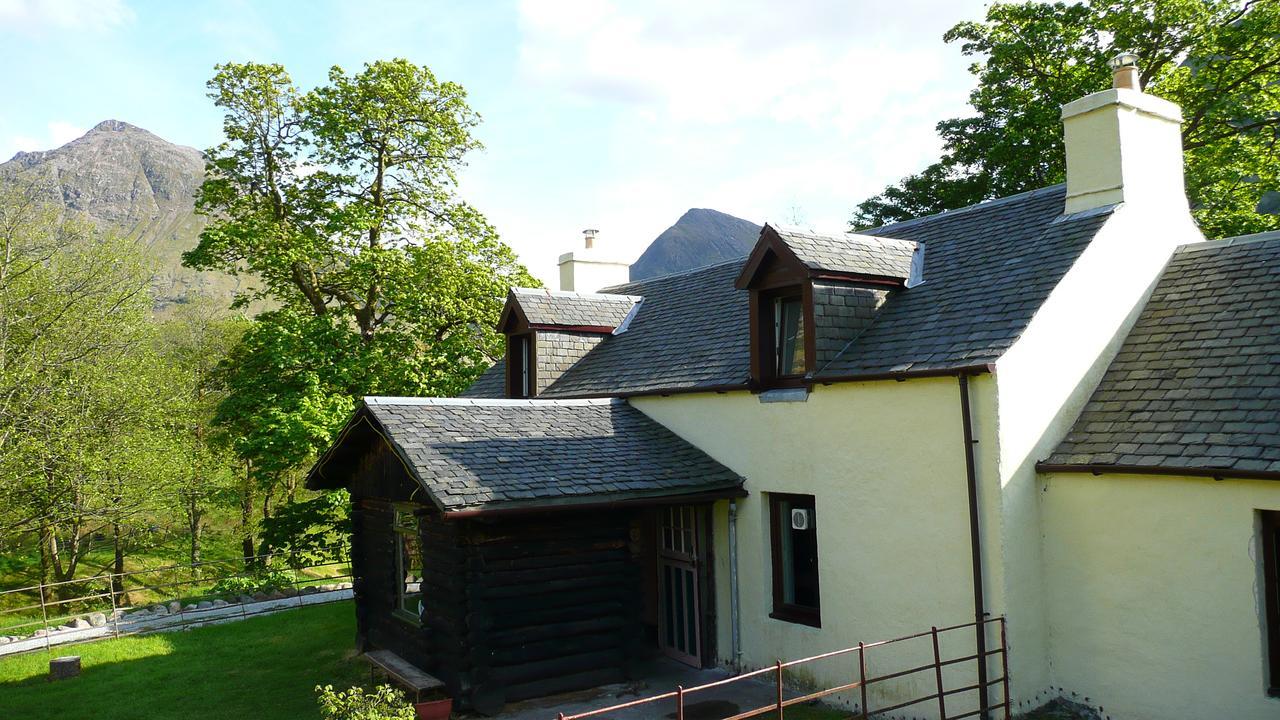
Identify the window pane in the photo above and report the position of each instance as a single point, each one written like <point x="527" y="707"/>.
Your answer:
<point x="409" y="566"/>
<point x="790" y="341"/>
<point x="798" y="554"/>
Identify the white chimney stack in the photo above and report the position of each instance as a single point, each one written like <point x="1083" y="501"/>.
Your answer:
<point x="592" y="267"/>
<point x="1123" y="145"/>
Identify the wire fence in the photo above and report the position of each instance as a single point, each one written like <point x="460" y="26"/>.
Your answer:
<point x="179" y="596"/>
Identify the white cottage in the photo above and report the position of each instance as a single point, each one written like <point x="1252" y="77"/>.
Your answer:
<point x="1060" y="407"/>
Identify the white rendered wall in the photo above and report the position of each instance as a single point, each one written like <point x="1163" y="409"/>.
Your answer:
<point x="1043" y="382"/>
<point x="1154" y="595"/>
<point x="885" y="461"/>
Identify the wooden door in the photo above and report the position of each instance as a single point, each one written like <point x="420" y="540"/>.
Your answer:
<point x="679" y="628"/>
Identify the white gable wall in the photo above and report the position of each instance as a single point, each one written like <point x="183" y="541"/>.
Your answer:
<point x="1043" y="382"/>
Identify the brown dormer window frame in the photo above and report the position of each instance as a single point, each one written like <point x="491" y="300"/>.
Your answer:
<point x="774" y="276"/>
<point x="768" y="327"/>
<point x="522" y="366"/>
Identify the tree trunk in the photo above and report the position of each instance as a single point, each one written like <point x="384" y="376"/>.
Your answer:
<point x="246" y="516"/>
<point x="193" y="528"/>
<point x="117" y="578"/>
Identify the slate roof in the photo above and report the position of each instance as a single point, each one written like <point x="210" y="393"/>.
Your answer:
<point x="471" y="454"/>
<point x="987" y="269"/>
<point x="492" y="383"/>
<point x="691" y="332"/>
<point x="551" y="307"/>
<point x="1196" y="384"/>
<point x="848" y="253"/>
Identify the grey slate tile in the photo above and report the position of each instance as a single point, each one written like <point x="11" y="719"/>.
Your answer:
<point x="1182" y="387"/>
<point x="469" y="453"/>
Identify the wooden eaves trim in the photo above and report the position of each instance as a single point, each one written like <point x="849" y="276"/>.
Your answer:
<point x="512" y="319"/>
<point x="1208" y="472"/>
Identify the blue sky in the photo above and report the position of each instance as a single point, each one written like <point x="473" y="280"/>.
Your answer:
<point x="607" y="114"/>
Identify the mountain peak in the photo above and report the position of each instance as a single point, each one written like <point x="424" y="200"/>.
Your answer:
<point x="114" y="126"/>
<point x="700" y="237"/>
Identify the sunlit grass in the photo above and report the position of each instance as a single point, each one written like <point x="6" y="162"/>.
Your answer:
<point x="263" y="667"/>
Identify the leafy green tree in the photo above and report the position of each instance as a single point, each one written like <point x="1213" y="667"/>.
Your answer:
<point x="312" y="531"/>
<point x="1218" y="59"/>
<point x="342" y="201"/>
<point x="192" y="341"/>
<point x="79" y="411"/>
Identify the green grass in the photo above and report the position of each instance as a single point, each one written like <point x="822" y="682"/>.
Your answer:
<point x="261" y="667"/>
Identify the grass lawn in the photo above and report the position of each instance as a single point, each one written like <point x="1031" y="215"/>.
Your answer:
<point x="257" y="668"/>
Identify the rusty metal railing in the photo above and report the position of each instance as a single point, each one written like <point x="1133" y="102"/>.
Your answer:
<point x="940" y="694"/>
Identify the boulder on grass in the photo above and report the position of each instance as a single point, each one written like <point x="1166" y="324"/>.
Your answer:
<point x="204" y="605"/>
<point x="175" y="607"/>
<point x="80" y="624"/>
<point x="97" y="619"/>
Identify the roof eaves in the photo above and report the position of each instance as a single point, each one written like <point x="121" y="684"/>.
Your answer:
<point x="1209" y="472"/>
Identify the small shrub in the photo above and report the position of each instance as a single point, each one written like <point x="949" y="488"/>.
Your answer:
<point x="382" y="703"/>
<point x="247" y="583"/>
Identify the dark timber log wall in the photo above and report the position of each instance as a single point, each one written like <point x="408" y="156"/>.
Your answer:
<point x="513" y="608"/>
<point x="554" y="603"/>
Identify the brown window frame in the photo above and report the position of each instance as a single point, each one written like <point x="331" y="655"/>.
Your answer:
<point x="1271" y="594"/>
<point x="765" y="351"/>
<point x="515" y="342"/>
<point x="412" y="528"/>
<point x="782" y="610"/>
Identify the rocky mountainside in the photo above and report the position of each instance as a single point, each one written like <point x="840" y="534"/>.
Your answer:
<point x="132" y="182"/>
<point x="700" y="237"/>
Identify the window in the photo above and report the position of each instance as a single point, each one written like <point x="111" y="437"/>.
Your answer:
<point x="408" y="565"/>
<point x="520" y="366"/>
<point x="1271" y="578"/>
<point x="788" y="334"/>
<point x="794" y="536"/>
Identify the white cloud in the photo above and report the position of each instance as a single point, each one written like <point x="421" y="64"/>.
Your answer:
<point x="40" y="15"/>
<point x="751" y="107"/>
<point x="59" y="133"/>
<point x="817" y="63"/>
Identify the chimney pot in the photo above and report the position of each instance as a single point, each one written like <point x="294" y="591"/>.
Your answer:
<point x="590" y="268"/>
<point x="1124" y="69"/>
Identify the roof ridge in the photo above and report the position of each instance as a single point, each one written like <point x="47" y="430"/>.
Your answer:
<point x="575" y="294"/>
<point x="994" y="202"/>
<point x="1264" y="236"/>
<point x="391" y="400"/>
<point x="839" y="235"/>
<point x="690" y="271"/>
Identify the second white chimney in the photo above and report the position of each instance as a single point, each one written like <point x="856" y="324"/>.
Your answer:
<point x="592" y="267"/>
<point x="1123" y="146"/>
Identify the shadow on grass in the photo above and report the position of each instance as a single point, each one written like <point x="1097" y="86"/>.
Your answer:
<point x="261" y="667"/>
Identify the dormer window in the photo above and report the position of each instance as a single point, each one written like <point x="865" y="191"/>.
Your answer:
<point x="521" y="366"/>
<point x="812" y="295"/>
<point x="788" y="329"/>
<point x="547" y="332"/>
